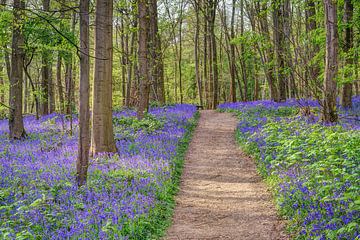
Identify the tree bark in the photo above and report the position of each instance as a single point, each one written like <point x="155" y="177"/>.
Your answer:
<point x="84" y="94"/>
<point x="2" y="84"/>
<point x="102" y="127"/>
<point x="16" y="124"/>
<point x="156" y="58"/>
<point x="329" y="113"/>
<point x="196" y="53"/>
<point x="144" y="25"/>
<point x="267" y="56"/>
<point x="346" y="99"/>
<point x="45" y="69"/>
<point x="232" y="56"/>
<point x="279" y="43"/>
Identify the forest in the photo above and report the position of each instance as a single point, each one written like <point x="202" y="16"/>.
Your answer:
<point x="107" y="108"/>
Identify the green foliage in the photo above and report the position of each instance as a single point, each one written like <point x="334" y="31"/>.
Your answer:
<point x="312" y="169"/>
<point x="148" y="124"/>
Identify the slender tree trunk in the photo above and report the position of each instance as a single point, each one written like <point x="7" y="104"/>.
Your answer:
<point x="312" y="49"/>
<point x="279" y="43"/>
<point x="205" y="57"/>
<point x="180" y="53"/>
<point x="232" y="55"/>
<point x="196" y="53"/>
<point x="346" y="100"/>
<point x="2" y="84"/>
<point x="84" y="94"/>
<point x="143" y="13"/>
<point x="45" y="69"/>
<point x="16" y="124"/>
<point x="214" y="67"/>
<point x="130" y="66"/>
<point x="59" y="84"/>
<point x="102" y="127"/>
<point x="267" y="56"/>
<point x="124" y="58"/>
<point x="329" y="113"/>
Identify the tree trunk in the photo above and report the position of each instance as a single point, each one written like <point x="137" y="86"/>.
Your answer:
<point x="329" y="113"/>
<point x="279" y="43"/>
<point x="312" y="49"/>
<point x="346" y="99"/>
<point x="143" y="13"/>
<point x="156" y="62"/>
<point x="130" y="66"/>
<point x="2" y="84"/>
<point x="180" y="53"/>
<point x="214" y="75"/>
<point x="102" y="127"/>
<point x="196" y="53"/>
<point x="232" y="56"/>
<point x="123" y="58"/>
<point x="267" y="56"/>
<point x="59" y="84"/>
<point x="16" y="124"/>
<point x="45" y="69"/>
<point x="84" y="94"/>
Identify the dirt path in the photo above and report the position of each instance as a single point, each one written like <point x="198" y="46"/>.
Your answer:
<point x="222" y="196"/>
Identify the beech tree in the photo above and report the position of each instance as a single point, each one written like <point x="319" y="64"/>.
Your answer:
<point x="84" y="95"/>
<point x="329" y="113"/>
<point x="144" y="25"/>
<point x="102" y="128"/>
<point x="348" y="45"/>
<point x="16" y="124"/>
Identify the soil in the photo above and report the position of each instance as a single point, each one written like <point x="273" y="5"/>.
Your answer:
<point x="221" y="195"/>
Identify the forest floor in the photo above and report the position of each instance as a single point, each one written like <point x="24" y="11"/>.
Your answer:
<point x="221" y="195"/>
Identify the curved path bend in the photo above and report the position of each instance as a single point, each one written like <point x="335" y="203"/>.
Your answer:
<point x="221" y="195"/>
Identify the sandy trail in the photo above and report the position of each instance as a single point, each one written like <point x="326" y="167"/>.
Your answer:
<point x="221" y="195"/>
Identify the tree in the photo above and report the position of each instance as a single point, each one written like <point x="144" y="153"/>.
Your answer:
<point x="329" y="113"/>
<point x="348" y="45"/>
<point x="84" y="93"/>
<point x="156" y="58"/>
<point x="16" y="124"/>
<point x="279" y="43"/>
<point x="144" y="25"/>
<point x="45" y="72"/>
<point x="232" y="54"/>
<point x="102" y="128"/>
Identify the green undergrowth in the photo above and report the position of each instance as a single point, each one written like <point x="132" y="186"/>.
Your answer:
<point x="159" y="219"/>
<point x="313" y="170"/>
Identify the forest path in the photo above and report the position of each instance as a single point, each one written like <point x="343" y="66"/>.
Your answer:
<point x="221" y="195"/>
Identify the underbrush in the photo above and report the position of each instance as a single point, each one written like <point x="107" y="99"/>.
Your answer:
<point x="313" y="169"/>
<point x="129" y="195"/>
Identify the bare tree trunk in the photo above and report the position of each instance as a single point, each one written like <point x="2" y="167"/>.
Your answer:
<point x="242" y="49"/>
<point x="130" y="66"/>
<point x="45" y="72"/>
<point x="180" y="53"/>
<point x="143" y="13"/>
<point x="329" y="113"/>
<point x="267" y="56"/>
<point x="59" y="84"/>
<point x="102" y="127"/>
<point x="213" y="5"/>
<point x="124" y="58"/>
<point x="155" y="58"/>
<point x="16" y="124"/>
<point x="279" y="43"/>
<point x="84" y="94"/>
<point x="196" y="53"/>
<point x="346" y="99"/>
<point x="2" y="84"/>
<point x="232" y="55"/>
